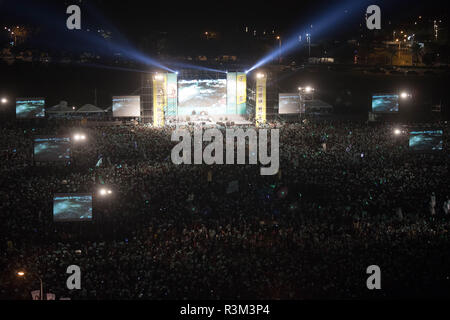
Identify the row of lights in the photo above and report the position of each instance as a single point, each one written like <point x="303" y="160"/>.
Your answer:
<point x="79" y="137"/>
<point x="306" y="89"/>
<point x="105" y="192"/>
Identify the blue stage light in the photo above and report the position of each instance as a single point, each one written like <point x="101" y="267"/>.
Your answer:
<point x="325" y="21"/>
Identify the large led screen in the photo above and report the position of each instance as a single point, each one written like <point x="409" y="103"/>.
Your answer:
<point x="202" y="96"/>
<point x="72" y="207"/>
<point x="427" y="140"/>
<point x="28" y="108"/>
<point x="289" y="103"/>
<point x="126" y="106"/>
<point x="385" y="103"/>
<point x="51" y="149"/>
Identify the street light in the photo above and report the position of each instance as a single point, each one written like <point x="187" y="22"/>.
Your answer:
<point x="279" y="43"/>
<point x="21" y="274"/>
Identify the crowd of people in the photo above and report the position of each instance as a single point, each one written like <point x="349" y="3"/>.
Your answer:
<point x="348" y="195"/>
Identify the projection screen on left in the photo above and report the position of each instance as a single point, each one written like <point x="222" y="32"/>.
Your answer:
<point x="72" y="207"/>
<point x="126" y="106"/>
<point x="29" y="108"/>
<point x="49" y="149"/>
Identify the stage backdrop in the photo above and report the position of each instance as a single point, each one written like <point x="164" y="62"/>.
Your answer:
<point x="207" y="96"/>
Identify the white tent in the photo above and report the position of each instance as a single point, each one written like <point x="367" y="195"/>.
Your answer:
<point x="89" y="108"/>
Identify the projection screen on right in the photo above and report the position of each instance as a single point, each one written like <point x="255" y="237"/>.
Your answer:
<point x="289" y="103"/>
<point x="426" y="140"/>
<point x="126" y="106"/>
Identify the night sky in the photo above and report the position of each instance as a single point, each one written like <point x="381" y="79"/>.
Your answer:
<point x="136" y="18"/>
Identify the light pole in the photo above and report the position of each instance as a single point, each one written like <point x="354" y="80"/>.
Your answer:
<point x="279" y="53"/>
<point x="22" y="274"/>
<point x="308" y="39"/>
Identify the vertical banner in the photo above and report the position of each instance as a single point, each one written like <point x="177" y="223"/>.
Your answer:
<point x="172" y="95"/>
<point x="260" y="112"/>
<point x="231" y="93"/>
<point x="159" y="98"/>
<point x="241" y="93"/>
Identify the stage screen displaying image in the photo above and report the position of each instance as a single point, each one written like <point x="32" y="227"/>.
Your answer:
<point x="51" y="149"/>
<point x="28" y="108"/>
<point x="208" y="96"/>
<point x="289" y="103"/>
<point x="72" y="207"/>
<point x="385" y="103"/>
<point x="431" y="140"/>
<point x="126" y="106"/>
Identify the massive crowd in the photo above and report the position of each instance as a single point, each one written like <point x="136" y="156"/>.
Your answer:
<point x="348" y="195"/>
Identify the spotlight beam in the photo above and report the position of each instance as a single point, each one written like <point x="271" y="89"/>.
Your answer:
<point x="335" y="15"/>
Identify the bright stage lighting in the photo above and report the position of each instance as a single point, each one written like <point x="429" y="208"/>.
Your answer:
<point x="4" y="100"/>
<point x="260" y="75"/>
<point x="307" y="89"/>
<point x="404" y="95"/>
<point x="79" y="137"/>
<point x="397" y="132"/>
<point x="104" y="192"/>
<point x="159" y="77"/>
<point x="325" y="21"/>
